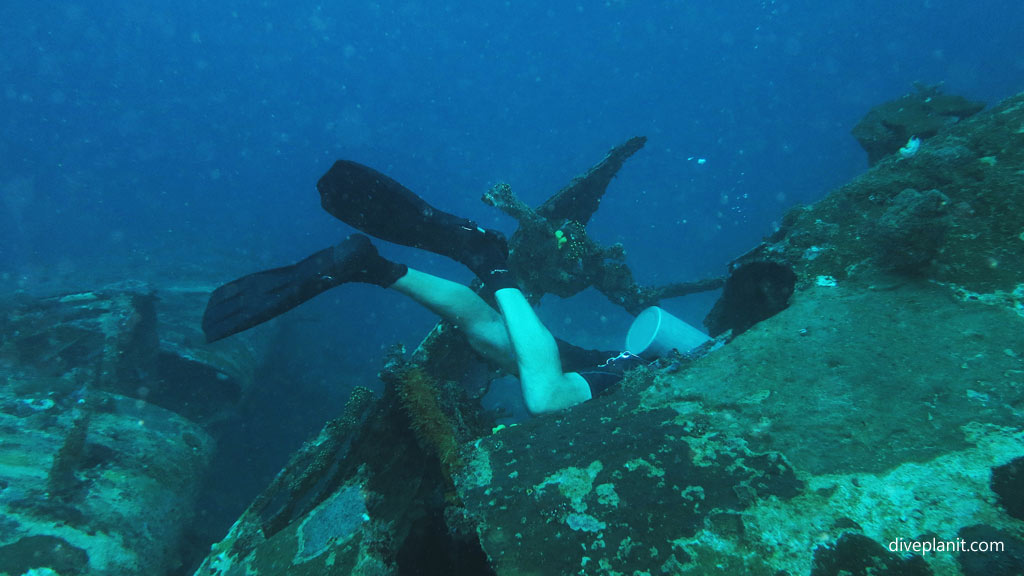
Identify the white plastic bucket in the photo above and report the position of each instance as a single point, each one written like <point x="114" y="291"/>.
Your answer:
<point x="655" y="333"/>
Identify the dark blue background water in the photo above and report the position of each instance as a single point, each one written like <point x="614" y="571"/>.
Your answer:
<point x="181" y="141"/>
<point x="195" y="132"/>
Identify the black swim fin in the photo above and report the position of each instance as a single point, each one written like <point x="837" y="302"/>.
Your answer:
<point x="256" y="298"/>
<point x="374" y="203"/>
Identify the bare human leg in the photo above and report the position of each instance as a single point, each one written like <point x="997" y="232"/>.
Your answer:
<point x="483" y="326"/>
<point x="545" y="387"/>
<point x="516" y="339"/>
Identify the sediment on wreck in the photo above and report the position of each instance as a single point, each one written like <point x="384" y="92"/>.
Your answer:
<point x="105" y="420"/>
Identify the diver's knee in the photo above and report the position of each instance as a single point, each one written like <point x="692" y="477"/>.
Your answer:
<point x="537" y="396"/>
<point x="545" y="395"/>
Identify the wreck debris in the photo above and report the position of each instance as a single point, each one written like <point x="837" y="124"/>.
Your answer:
<point x="551" y="251"/>
<point x="579" y="200"/>
<point x="61" y="482"/>
<point x="102" y="417"/>
<point x="365" y="496"/>
<point x="116" y="329"/>
<point x="903" y="123"/>
<point x="755" y="291"/>
<point x="292" y="493"/>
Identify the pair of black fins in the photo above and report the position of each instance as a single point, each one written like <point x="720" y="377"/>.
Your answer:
<point x="368" y="201"/>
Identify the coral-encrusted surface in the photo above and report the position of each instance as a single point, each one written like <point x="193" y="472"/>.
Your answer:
<point x="923" y="114"/>
<point x="977" y="164"/>
<point x="610" y="487"/>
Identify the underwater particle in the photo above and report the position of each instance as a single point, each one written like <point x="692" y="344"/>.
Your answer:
<point x="827" y="281"/>
<point x="911" y="148"/>
<point x="988" y="160"/>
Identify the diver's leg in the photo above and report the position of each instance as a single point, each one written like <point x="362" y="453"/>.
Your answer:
<point x="373" y="203"/>
<point x="545" y="387"/>
<point x="258" y="297"/>
<point x="459" y="305"/>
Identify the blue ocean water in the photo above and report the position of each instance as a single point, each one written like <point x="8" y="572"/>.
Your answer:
<point x="182" y="141"/>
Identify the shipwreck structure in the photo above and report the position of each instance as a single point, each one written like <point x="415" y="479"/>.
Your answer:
<point x="869" y="390"/>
